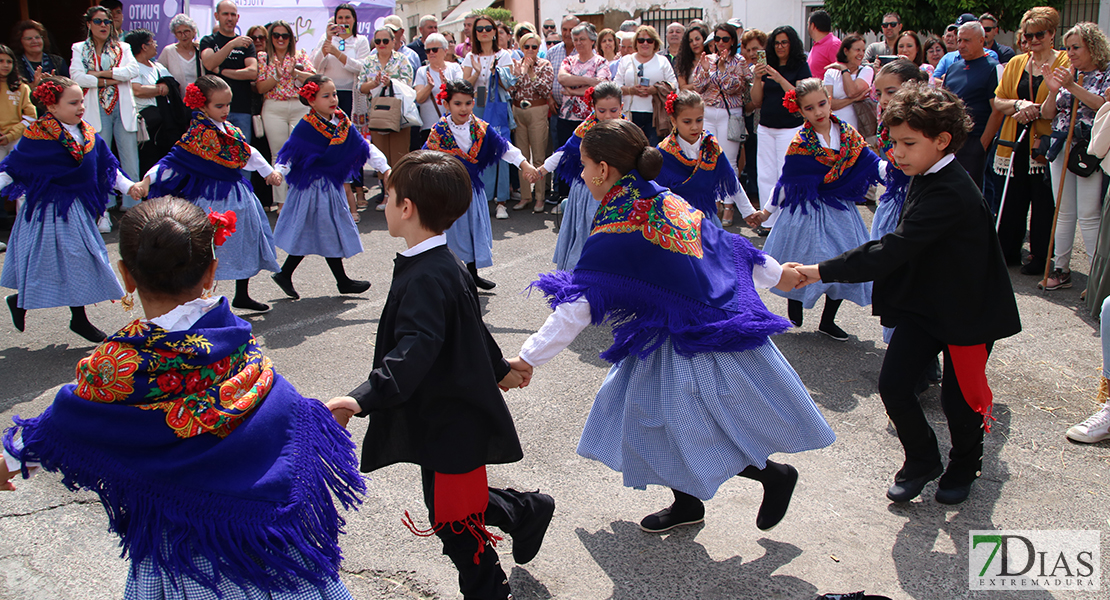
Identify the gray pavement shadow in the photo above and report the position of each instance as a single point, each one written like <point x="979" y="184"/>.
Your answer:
<point x="837" y="374"/>
<point x="644" y="566"/>
<point x="926" y="568"/>
<point x="521" y="222"/>
<point x="292" y="322"/>
<point x="527" y="587"/>
<point x="591" y="343"/>
<point x="1026" y="285"/>
<point x="29" y="373"/>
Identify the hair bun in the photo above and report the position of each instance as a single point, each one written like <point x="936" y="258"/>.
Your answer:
<point x="650" y="162"/>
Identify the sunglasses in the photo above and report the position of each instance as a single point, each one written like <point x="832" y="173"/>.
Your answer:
<point x="101" y="21"/>
<point x="258" y="38"/>
<point x="724" y="38"/>
<point x="645" y="41"/>
<point x="531" y="47"/>
<point x="382" y="42"/>
<point x="987" y="28"/>
<point x="549" y="28"/>
<point x="894" y="24"/>
<point x="952" y="28"/>
<point x="430" y="50"/>
<point x="281" y="36"/>
<point x="1036" y="34"/>
<point x="483" y="28"/>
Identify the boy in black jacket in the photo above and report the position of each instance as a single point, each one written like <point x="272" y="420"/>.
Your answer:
<point x="944" y="224"/>
<point x="433" y="392"/>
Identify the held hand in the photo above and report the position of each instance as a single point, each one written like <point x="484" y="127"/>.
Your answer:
<point x="757" y="218"/>
<point x="530" y="172"/>
<point x="137" y="191"/>
<point x="810" y="274"/>
<point x="343" y="408"/>
<point x="519" y="366"/>
<point x="274" y="179"/>
<point x="790" y="277"/>
<point x="511" y="381"/>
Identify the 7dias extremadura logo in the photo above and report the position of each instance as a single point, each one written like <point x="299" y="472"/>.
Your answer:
<point x="1034" y="560"/>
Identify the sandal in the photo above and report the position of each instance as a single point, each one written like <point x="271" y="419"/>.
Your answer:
<point x="726" y="218"/>
<point x="356" y="217"/>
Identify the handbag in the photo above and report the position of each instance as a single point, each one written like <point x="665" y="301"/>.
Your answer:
<point x="867" y="116"/>
<point x="257" y="126"/>
<point x="384" y="113"/>
<point x="1081" y="162"/>
<point x="410" y="111"/>
<point x="737" y="131"/>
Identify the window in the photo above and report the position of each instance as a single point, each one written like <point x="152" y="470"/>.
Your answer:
<point x="1076" y="11"/>
<point x="659" y="19"/>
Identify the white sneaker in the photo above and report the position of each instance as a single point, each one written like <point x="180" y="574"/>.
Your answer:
<point x="104" y="224"/>
<point x="1095" y="429"/>
<point x="3" y="246"/>
<point x="502" y="212"/>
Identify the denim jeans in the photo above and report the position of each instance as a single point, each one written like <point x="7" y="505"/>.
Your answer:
<point x="127" y="146"/>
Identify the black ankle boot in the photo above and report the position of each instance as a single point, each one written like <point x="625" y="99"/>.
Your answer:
<point x="794" y="312"/>
<point x="19" y="315"/>
<point x="79" y="324"/>
<point x="686" y="510"/>
<point x="483" y="284"/>
<point x="345" y="284"/>
<point x="828" y="321"/>
<point x="284" y="277"/>
<point x="243" y="299"/>
<point x="778" y="488"/>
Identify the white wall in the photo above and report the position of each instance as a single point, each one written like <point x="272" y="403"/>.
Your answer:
<point x="767" y="15"/>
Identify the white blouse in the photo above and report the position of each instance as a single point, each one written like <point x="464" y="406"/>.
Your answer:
<point x="123" y="184"/>
<point x="377" y="161"/>
<point x="512" y="154"/>
<point x="569" y="319"/>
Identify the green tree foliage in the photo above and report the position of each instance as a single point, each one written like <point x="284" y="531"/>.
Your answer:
<point x="501" y="15"/>
<point x="926" y="15"/>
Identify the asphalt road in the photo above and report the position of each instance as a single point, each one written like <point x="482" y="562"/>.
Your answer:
<point x="841" y="534"/>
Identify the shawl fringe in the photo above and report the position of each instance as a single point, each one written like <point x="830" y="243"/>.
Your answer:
<point x="312" y="157"/>
<point x="42" y="185"/>
<point x="245" y="541"/>
<point x="188" y="176"/>
<point x="804" y="187"/>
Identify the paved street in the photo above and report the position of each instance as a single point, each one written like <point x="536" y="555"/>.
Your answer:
<point x="841" y="534"/>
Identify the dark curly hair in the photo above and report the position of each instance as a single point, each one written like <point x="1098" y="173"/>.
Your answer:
<point x="797" y="56"/>
<point x="684" y="62"/>
<point x="930" y="110"/>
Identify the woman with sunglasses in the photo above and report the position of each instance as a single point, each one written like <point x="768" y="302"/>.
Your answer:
<point x="104" y="66"/>
<point x="257" y="34"/>
<point x="534" y="76"/>
<point x="489" y="69"/>
<point x="429" y="80"/>
<point x="724" y="83"/>
<point x="281" y="68"/>
<point x="1020" y="94"/>
<point x="646" y="78"/>
<point x="384" y="66"/>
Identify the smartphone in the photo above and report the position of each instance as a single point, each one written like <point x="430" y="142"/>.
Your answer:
<point x="883" y="60"/>
<point x="761" y="57"/>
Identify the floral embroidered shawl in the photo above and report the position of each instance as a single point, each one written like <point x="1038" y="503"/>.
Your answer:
<point x="197" y="448"/>
<point x="205" y="162"/>
<point x="318" y="148"/>
<point x="702" y="181"/>
<point x="487" y="147"/>
<point x="814" y="176"/>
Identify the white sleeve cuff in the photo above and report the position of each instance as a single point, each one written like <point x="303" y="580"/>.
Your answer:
<point x="553" y="161"/>
<point x="377" y="160"/>
<point x="123" y="184"/>
<point x="768" y="274"/>
<point x="560" y="329"/>
<point x="14" y="464"/>
<point x="513" y="156"/>
<point x="258" y="163"/>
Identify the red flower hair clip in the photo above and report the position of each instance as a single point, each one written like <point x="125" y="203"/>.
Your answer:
<point x="670" y="103"/>
<point x="588" y="97"/>
<point x="194" y="98"/>
<point x="790" y="101"/>
<point x="441" y="97"/>
<point x="48" y="92"/>
<point x="309" y="90"/>
<point x="223" y="223"/>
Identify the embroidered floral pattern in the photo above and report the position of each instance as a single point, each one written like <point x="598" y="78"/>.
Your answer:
<point x="49" y="128"/>
<point x="108" y="374"/>
<point x="664" y="220"/>
<point x="336" y="132"/>
<point x="707" y="157"/>
<point x="207" y="141"/>
<point x="851" y="146"/>
<point x="443" y="140"/>
<point x="586" y="125"/>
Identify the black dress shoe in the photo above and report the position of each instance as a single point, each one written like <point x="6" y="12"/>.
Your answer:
<point x="482" y="284"/>
<point x="904" y="491"/>
<point x="953" y="495"/>
<point x="353" y="286"/>
<point x="673" y="516"/>
<point x="776" y="499"/>
<point x="527" y="539"/>
<point x="1033" y="267"/>
<point x="285" y="282"/>
<point x="19" y="315"/>
<point x="249" y="303"/>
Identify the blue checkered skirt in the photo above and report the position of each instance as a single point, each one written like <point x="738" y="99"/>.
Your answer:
<point x="471" y="236"/>
<point x="578" y="219"/>
<point x="317" y="220"/>
<point x="55" y="261"/>
<point x="151" y="583"/>
<point x="692" y="423"/>
<point x="251" y="248"/>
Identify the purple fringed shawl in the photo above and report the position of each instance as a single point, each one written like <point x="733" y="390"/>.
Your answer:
<point x="320" y="149"/>
<point x="487" y="147"/>
<point x="701" y="181"/>
<point x="191" y="456"/>
<point x="45" y="168"/>
<point x="204" y="163"/>
<point x="815" y="176"/>
<point x="651" y="270"/>
<point x="569" y="168"/>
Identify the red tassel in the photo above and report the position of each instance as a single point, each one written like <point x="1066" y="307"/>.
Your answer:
<point x="460" y="504"/>
<point x="970" y="363"/>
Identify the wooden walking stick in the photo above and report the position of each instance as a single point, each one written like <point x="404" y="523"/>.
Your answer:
<point x="1050" y="260"/>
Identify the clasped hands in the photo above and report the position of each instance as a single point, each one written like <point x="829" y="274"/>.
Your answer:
<point x="796" y="276"/>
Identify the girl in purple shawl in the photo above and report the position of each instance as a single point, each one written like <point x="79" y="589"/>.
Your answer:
<point x="698" y="393"/>
<point x="62" y="172"/>
<point x="219" y="478"/>
<point x="828" y="169"/>
<point x="320" y="155"/>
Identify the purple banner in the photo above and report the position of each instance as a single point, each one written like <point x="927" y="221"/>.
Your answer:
<point x="152" y="15"/>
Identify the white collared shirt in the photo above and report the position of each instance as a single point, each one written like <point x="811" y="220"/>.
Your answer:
<point x="512" y="154"/>
<point x="940" y="164"/>
<point x="432" y="242"/>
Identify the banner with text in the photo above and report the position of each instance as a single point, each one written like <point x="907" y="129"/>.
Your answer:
<point x="307" y="17"/>
<point x="152" y="15"/>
